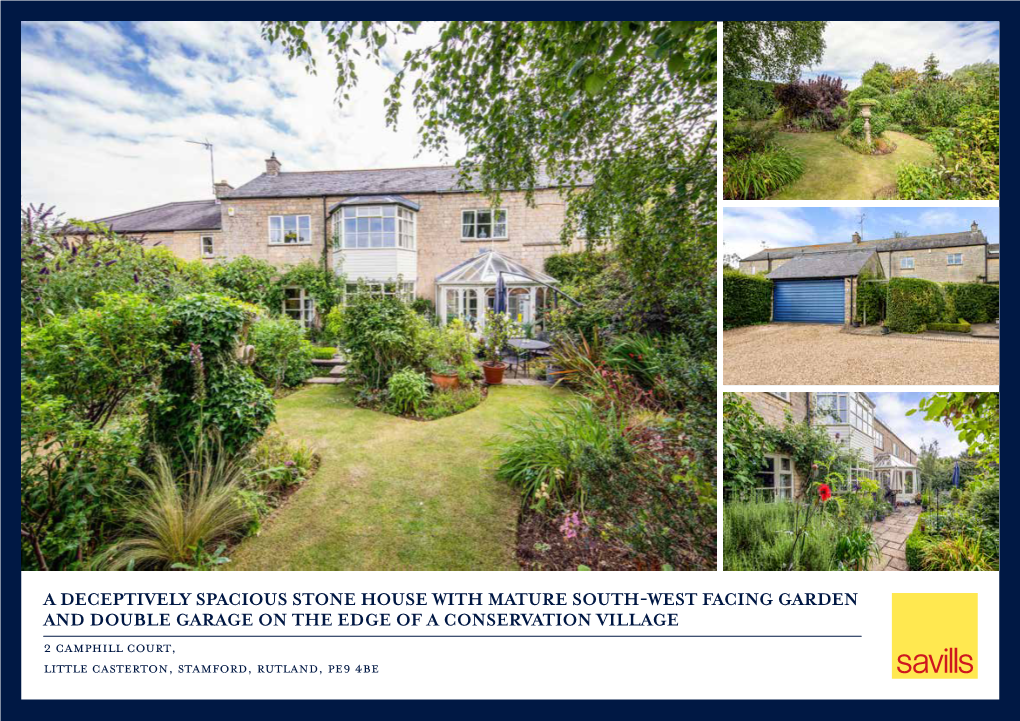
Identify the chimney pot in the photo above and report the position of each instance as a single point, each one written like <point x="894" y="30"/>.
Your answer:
<point x="272" y="165"/>
<point x="856" y="237"/>
<point x="973" y="227"/>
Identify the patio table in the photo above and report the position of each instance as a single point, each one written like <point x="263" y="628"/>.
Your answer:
<point x="528" y="346"/>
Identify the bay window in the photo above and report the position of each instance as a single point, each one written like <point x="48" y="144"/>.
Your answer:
<point x="374" y="226"/>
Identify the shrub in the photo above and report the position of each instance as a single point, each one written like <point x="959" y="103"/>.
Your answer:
<point x="100" y="358"/>
<point x="247" y="279"/>
<point x="958" y="553"/>
<point x="817" y="99"/>
<point x="204" y="386"/>
<point x="861" y="94"/>
<point x="283" y="357"/>
<point x="754" y="98"/>
<point x="961" y="327"/>
<point x="547" y="456"/>
<point x="443" y="403"/>
<point x="974" y="302"/>
<point x="451" y="350"/>
<point x="915" y="182"/>
<point x="747" y="138"/>
<point x="878" y="123"/>
<point x="569" y="268"/>
<point x="871" y="300"/>
<point x="984" y="504"/>
<point x="757" y="537"/>
<point x="408" y="389"/>
<point x="747" y="299"/>
<point x="379" y="335"/>
<point x="423" y="306"/>
<point x="759" y="175"/>
<point x="913" y="303"/>
<point x="277" y="463"/>
<point x="914" y="548"/>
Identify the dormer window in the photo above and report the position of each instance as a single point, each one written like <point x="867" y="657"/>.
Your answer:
<point x="374" y="226"/>
<point x="483" y="224"/>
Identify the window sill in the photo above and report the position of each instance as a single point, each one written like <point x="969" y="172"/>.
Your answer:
<point x="344" y="250"/>
<point x="290" y="245"/>
<point x="484" y="240"/>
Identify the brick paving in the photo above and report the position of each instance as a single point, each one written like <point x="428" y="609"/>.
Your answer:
<point x="891" y="536"/>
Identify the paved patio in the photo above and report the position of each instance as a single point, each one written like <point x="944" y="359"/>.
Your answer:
<point x="891" y="536"/>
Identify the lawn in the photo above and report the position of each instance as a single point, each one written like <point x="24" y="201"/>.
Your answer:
<point x="394" y="494"/>
<point x="833" y="171"/>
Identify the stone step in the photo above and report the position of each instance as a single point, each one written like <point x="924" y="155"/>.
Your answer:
<point x="325" y="380"/>
<point x="328" y="362"/>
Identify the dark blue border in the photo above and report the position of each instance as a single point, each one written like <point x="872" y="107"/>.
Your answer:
<point x="811" y="674"/>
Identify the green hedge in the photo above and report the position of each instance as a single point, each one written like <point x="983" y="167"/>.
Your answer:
<point x="569" y="268"/>
<point x="914" y="549"/>
<point x="871" y="300"/>
<point x="913" y="304"/>
<point x="974" y="302"/>
<point x="747" y="299"/>
<point x="961" y="327"/>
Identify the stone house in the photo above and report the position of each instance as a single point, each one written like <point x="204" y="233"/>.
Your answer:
<point x="402" y="231"/>
<point x="819" y="283"/>
<point x="849" y="418"/>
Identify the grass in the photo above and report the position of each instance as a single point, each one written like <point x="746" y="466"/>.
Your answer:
<point x="833" y="171"/>
<point x="392" y="493"/>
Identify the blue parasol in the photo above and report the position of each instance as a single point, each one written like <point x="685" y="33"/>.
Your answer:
<point x="500" y="294"/>
<point x="956" y="474"/>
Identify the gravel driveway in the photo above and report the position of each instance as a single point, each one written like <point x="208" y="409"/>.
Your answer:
<point x="805" y="354"/>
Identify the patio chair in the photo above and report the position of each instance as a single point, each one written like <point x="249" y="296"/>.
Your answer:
<point x="512" y="360"/>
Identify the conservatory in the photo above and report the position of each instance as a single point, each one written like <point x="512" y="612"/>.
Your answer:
<point x="898" y="475"/>
<point x="468" y="289"/>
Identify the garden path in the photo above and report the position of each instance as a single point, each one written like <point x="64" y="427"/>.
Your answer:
<point x="833" y="171"/>
<point x="392" y="493"/>
<point x="891" y="535"/>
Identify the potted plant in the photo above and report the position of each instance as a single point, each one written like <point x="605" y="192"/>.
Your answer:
<point x="444" y="374"/>
<point x="499" y="328"/>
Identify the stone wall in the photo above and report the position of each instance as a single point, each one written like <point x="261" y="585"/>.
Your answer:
<point x="533" y="233"/>
<point x="773" y="410"/>
<point x="187" y="244"/>
<point x="931" y="264"/>
<point x="993" y="270"/>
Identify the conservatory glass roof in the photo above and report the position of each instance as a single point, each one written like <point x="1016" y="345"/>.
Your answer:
<point x="891" y="461"/>
<point x="484" y="268"/>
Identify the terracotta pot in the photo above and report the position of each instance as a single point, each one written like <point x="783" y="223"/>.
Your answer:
<point x="446" y="382"/>
<point x="493" y="373"/>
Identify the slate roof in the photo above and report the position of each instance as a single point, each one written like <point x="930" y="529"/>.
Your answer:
<point x="918" y="242"/>
<point x="823" y="265"/>
<point x="993" y="249"/>
<point x="187" y="215"/>
<point x="376" y="200"/>
<point x="442" y="179"/>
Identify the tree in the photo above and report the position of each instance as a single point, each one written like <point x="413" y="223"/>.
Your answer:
<point x="880" y="77"/>
<point x="931" y="69"/>
<point x="930" y="466"/>
<point x="975" y="418"/>
<point x="771" y="49"/>
<point x="620" y="110"/>
<point x="904" y="78"/>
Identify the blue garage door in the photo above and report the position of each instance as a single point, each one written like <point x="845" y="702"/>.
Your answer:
<point x="808" y="301"/>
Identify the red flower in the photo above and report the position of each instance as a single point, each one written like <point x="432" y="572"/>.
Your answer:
<point x="824" y="492"/>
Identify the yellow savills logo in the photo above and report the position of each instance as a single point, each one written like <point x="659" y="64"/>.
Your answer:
<point x="934" y="635"/>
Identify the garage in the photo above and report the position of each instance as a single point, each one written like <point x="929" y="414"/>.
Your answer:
<point x="808" y="301"/>
<point x="812" y="288"/>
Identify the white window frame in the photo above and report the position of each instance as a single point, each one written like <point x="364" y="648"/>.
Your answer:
<point x="473" y="224"/>
<point x="282" y="241"/>
<point x="210" y="251"/>
<point x="306" y="306"/>
<point x="879" y="440"/>
<point x="779" y="491"/>
<point x="782" y="395"/>
<point x="405" y="290"/>
<point x="950" y="256"/>
<point x="405" y="232"/>
<point x="850" y="409"/>
<point x="906" y="263"/>
<point x="895" y="449"/>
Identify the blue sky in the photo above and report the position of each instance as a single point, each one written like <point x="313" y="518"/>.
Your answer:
<point x="852" y="47"/>
<point x="891" y="409"/>
<point x="106" y="108"/>
<point x="748" y="229"/>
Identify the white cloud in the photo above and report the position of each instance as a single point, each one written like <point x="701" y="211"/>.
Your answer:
<point x="851" y="47"/>
<point x="749" y="230"/>
<point x="942" y="221"/>
<point x="891" y="409"/>
<point x="104" y="125"/>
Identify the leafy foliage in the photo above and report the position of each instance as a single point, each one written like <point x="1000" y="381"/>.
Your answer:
<point x="747" y="299"/>
<point x="443" y="403"/>
<point x="247" y="279"/>
<point x="912" y="304"/>
<point x="408" y="390"/>
<point x="771" y="50"/>
<point x="974" y="302"/>
<point x="760" y="175"/>
<point x="283" y="356"/>
<point x="818" y="98"/>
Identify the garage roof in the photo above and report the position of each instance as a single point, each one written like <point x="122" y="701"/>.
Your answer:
<point x="823" y="265"/>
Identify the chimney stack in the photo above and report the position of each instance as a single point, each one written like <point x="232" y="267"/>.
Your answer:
<point x="221" y="188"/>
<point x="856" y="237"/>
<point x="974" y="227"/>
<point x="272" y="165"/>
